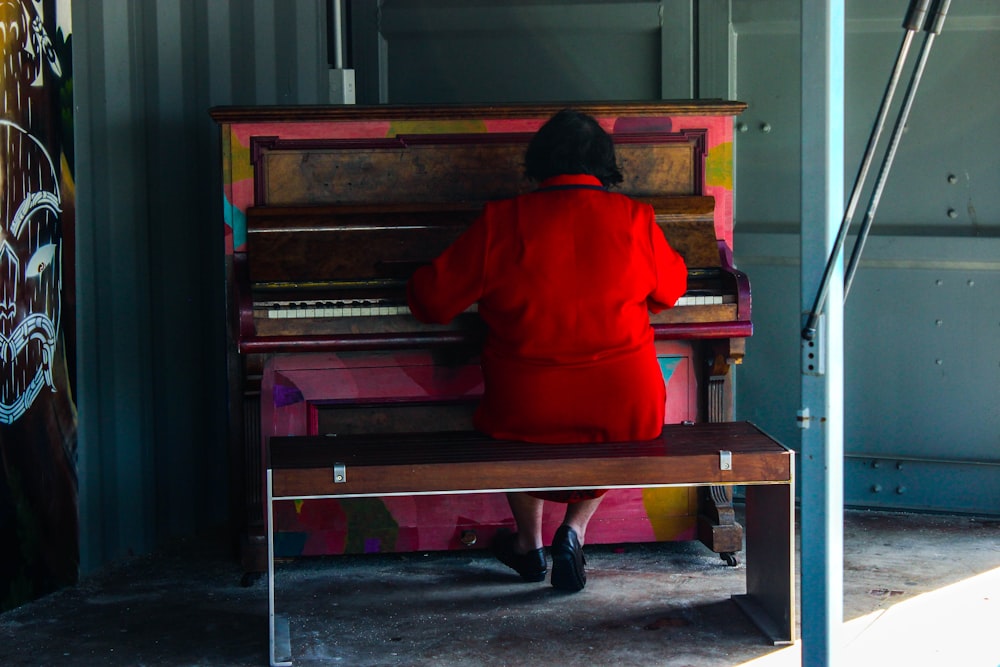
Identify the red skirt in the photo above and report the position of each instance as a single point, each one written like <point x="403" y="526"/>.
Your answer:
<point x="613" y="399"/>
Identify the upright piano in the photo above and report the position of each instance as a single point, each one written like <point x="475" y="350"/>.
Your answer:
<point x="328" y="210"/>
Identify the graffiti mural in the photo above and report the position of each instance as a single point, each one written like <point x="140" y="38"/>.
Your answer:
<point x="29" y="273"/>
<point x="39" y="540"/>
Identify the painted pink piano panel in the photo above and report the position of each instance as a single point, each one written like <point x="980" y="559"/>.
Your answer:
<point x="299" y="392"/>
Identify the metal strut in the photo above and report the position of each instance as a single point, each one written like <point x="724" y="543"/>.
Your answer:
<point x="926" y="15"/>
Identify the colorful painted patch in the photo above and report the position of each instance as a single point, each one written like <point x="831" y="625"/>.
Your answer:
<point x="404" y="127"/>
<point x="719" y="166"/>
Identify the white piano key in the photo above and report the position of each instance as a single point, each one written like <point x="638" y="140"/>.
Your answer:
<point x="367" y="308"/>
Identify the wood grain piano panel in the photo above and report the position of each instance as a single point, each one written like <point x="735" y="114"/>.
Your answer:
<point x="688" y="223"/>
<point x="310" y="173"/>
<point x="327" y="244"/>
<point x="463" y="168"/>
<point x="469" y="325"/>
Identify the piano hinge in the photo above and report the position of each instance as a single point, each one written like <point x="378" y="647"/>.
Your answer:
<point x="339" y="473"/>
<point x="725" y="459"/>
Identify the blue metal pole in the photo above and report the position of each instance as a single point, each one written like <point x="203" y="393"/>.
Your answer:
<point x="822" y="379"/>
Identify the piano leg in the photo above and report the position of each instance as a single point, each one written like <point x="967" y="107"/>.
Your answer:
<point x="253" y="547"/>
<point x="717" y="526"/>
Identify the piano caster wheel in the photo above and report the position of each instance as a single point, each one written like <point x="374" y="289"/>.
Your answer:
<point x="730" y="558"/>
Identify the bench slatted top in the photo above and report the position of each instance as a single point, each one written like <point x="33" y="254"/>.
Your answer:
<point x="464" y="462"/>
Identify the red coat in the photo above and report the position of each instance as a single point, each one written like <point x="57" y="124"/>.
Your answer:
<point x="564" y="277"/>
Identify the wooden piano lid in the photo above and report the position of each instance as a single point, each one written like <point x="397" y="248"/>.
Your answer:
<point x="330" y="243"/>
<point x="689" y="225"/>
<point x="322" y="113"/>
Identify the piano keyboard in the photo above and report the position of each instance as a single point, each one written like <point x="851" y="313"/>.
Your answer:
<point x="277" y="310"/>
<point x="705" y="300"/>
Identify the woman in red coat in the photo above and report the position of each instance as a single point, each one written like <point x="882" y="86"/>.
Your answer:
<point x="565" y="277"/>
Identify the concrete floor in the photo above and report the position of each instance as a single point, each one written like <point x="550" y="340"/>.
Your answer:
<point x="919" y="590"/>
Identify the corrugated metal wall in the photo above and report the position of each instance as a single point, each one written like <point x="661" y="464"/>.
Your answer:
<point x="151" y="393"/>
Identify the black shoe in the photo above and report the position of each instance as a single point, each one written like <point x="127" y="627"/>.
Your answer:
<point x="567" y="561"/>
<point x="531" y="566"/>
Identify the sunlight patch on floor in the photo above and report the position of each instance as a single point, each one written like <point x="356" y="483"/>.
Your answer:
<point x="955" y="625"/>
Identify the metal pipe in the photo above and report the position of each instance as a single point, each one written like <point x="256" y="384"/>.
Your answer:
<point x="338" y="37"/>
<point x="934" y="25"/>
<point x="914" y="20"/>
<point x="922" y="459"/>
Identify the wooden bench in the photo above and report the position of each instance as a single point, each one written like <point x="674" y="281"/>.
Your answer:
<point x="731" y="453"/>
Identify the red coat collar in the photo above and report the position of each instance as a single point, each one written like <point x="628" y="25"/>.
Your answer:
<point x="570" y="179"/>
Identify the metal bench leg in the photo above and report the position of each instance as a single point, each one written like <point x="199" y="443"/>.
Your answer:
<point x="770" y="558"/>
<point x="279" y="641"/>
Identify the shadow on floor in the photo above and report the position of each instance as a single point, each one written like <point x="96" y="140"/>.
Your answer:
<point x="665" y="604"/>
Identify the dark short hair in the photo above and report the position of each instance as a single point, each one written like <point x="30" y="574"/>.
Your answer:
<point x="571" y="142"/>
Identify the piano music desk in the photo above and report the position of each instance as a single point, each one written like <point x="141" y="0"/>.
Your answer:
<point x="703" y="454"/>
